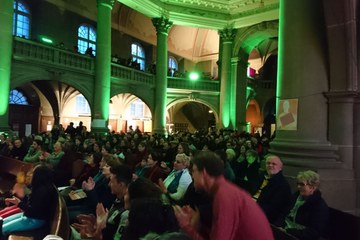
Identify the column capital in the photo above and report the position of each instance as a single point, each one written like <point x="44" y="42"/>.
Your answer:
<point x="227" y="34"/>
<point x="108" y="3"/>
<point x="162" y="25"/>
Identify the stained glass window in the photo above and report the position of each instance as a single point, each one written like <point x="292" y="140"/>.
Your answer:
<point x="17" y="97"/>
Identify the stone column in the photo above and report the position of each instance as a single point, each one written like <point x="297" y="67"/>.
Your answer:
<point x="102" y="84"/>
<point x="239" y="101"/>
<point x="226" y="38"/>
<point x="6" y="41"/>
<point x="162" y="26"/>
<point x="303" y="75"/>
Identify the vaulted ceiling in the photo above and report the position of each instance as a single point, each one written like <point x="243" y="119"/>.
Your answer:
<point x="194" y="33"/>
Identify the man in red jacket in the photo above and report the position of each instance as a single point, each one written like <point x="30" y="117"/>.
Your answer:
<point x="235" y="214"/>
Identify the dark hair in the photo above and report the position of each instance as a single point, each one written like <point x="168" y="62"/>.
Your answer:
<point x="42" y="176"/>
<point x="97" y="158"/>
<point x="209" y="161"/>
<point x="143" y="188"/>
<point x="221" y="154"/>
<point x="156" y="155"/>
<point x="185" y="147"/>
<point x="150" y="215"/>
<point x="38" y="142"/>
<point x="122" y="173"/>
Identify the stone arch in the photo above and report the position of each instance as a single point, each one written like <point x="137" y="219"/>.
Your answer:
<point x="119" y="118"/>
<point x="64" y="86"/>
<point x="250" y="37"/>
<point x="186" y="100"/>
<point x="253" y="114"/>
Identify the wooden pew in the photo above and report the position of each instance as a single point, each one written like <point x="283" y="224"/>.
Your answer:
<point x="9" y="168"/>
<point x="342" y="226"/>
<point x="59" y="225"/>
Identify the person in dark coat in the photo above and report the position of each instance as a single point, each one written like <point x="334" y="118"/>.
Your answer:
<point x="308" y="217"/>
<point x="273" y="192"/>
<point x="19" y="151"/>
<point x="37" y="207"/>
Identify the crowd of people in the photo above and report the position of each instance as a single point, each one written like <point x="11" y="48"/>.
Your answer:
<point x="206" y="185"/>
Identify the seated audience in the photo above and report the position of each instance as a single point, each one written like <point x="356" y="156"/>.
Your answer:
<point x="37" y="207"/>
<point x="149" y="215"/>
<point x="309" y="214"/>
<point x="19" y="151"/>
<point x="97" y="191"/>
<point x="34" y="152"/>
<point x="155" y="168"/>
<point x="249" y="175"/>
<point x="273" y="192"/>
<point x="176" y="183"/>
<point x="54" y="158"/>
<point x="109" y="221"/>
<point x="235" y="214"/>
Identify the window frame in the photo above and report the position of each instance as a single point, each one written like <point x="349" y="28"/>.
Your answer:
<point x="16" y="20"/>
<point x="17" y="97"/>
<point x="173" y="60"/>
<point x="87" y="40"/>
<point x="138" y="58"/>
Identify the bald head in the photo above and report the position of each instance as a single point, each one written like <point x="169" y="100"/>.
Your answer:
<point x="273" y="165"/>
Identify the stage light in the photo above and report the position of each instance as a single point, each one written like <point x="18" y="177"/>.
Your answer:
<point x="194" y="76"/>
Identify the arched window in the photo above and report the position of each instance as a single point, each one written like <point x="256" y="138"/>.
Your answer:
<point x="86" y="38"/>
<point x="138" y="55"/>
<point x="21" y="19"/>
<point x="173" y="66"/>
<point x="17" y="97"/>
<point x="137" y="109"/>
<point x="82" y="105"/>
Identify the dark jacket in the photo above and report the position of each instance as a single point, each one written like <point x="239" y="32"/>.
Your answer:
<point x="313" y="214"/>
<point x="275" y="197"/>
<point x="40" y="204"/>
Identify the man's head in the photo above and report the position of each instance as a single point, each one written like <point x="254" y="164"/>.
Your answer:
<point x="17" y="143"/>
<point x="206" y="165"/>
<point x="273" y="164"/>
<point x="120" y="178"/>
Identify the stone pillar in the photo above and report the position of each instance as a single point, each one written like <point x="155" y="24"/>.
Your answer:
<point x="239" y="101"/>
<point x="162" y="26"/>
<point x="6" y="41"/>
<point x="102" y="84"/>
<point x="226" y="38"/>
<point x="303" y="76"/>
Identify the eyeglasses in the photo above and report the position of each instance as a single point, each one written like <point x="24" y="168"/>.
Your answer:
<point x="301" y="184"/>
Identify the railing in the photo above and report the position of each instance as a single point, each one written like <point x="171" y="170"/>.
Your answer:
<point x="46" y="55"/>
<point x="200" y="85"/>
<point x="30" y="51"/>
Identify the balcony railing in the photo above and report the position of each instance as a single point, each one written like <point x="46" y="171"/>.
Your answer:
<point x="199" y="85"/>
<point x="46" y="55"/>
<point x="26" y="50"/>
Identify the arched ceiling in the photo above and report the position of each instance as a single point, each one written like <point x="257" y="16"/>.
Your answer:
<point x="194" y="33"/>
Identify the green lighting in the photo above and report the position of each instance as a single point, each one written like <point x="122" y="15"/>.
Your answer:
<point x="194" y="76"/>
<point x="46" y="40"/>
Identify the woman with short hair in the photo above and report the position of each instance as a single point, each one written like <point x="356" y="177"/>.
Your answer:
<point x="179" y="179"/>
<point x="309" y="213"/>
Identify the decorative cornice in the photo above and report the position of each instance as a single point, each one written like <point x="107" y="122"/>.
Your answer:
<point x="227" y="34"/>
<point x="202" y="13"/>
<point x="162" y="25"/>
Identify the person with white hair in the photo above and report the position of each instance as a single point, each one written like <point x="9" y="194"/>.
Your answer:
<point x="309" y="214"/>
<point x="177" y="182"/>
